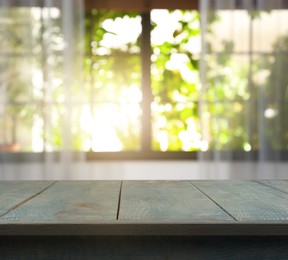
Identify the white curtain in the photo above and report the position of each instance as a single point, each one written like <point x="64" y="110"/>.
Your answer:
<point x="244" y="93"/>
<point x="41" y="72"/>
<point x="44" y="101"/>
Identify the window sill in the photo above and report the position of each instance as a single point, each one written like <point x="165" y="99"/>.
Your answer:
<point x="152" y="155"/>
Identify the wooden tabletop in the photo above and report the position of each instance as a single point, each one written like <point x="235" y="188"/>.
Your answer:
<point x="222" y="207"/>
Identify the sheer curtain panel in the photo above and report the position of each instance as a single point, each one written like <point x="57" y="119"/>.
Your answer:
<point x="244" y="93"/>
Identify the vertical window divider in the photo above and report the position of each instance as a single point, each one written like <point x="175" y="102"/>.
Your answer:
<point x="44" y="78"/>
<point x="146" y="83"/>
<point x="92" y="77"/>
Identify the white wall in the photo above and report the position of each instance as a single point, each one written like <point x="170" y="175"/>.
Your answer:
<point x="137" y="170"/>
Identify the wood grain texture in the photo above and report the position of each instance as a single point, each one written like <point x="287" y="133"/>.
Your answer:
<point x="167" y="200"/>
<point x="13" y="193"/>
<point x="281" y="185"/>
<point x="247" y="200"/>
<point x="71" y="201"/>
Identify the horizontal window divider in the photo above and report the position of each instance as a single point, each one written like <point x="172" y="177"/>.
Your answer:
<point x="246" y="53"/>
<point x="243" y="156"/>
<point x="101" y="102"/>
<point x="26" y="157"/>
<point x="176" y="102"/>
<point x="142" y="155"/>
<point x="195" y="156"/>
<point x="112" y="55"/>
<point x="17" y="55"/>
<point x="63" y="103"/>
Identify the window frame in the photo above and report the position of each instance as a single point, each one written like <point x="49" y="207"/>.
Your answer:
<point x="146" y="152"/>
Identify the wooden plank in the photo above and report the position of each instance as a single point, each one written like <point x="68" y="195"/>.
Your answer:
<point x="167" y="200"/>
<point x="71" y="201"/>
<point x="247" y="200"/>
<point x="281" y="185"/>
<point x="13" y="193"/>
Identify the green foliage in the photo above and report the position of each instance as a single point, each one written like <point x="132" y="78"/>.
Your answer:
<point x="112" y="74"/>
<point x="233" y="103"/>
<point x="175" y="94"/>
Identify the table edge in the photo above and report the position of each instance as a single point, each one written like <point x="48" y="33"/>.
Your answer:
<point x="122" y="228"/>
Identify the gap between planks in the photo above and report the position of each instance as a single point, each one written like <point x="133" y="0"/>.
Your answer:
<point x="215" y="202"/>
<point x="26" y="200"/>
<point x="267" y="185"/>
<point x="119" y="201"/>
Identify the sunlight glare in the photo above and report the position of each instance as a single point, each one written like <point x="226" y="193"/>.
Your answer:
<point x="167" y="24"/>
<point x="104" y="136"/>
<point x="122" y="32"/>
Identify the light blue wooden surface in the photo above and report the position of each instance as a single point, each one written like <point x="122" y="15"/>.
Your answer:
<point x="227" y="201"/>
<point x="247" y="201"/>
<point x="71" y="201"/>
<point x="167" y="200"/>
<point x="281" y="185"/>
<point x="15" y="193"/>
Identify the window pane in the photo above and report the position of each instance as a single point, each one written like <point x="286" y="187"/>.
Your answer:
<point x="231" y="29"/>
<point x="116" y="78"/>
<point x="175" y="80"/>
<point x="15" y="23"/>
<point x="17" y="112"/>
<point x="225" y="126"/>
<point x="176" y="127"/>
<point x="227" y="77"/>
<point x="113" y="80"/>
<point x="17" y="127"/>
<point x="243" y="99"/>
<point x="273" y="23"/>
<point x="116" y="127"/>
